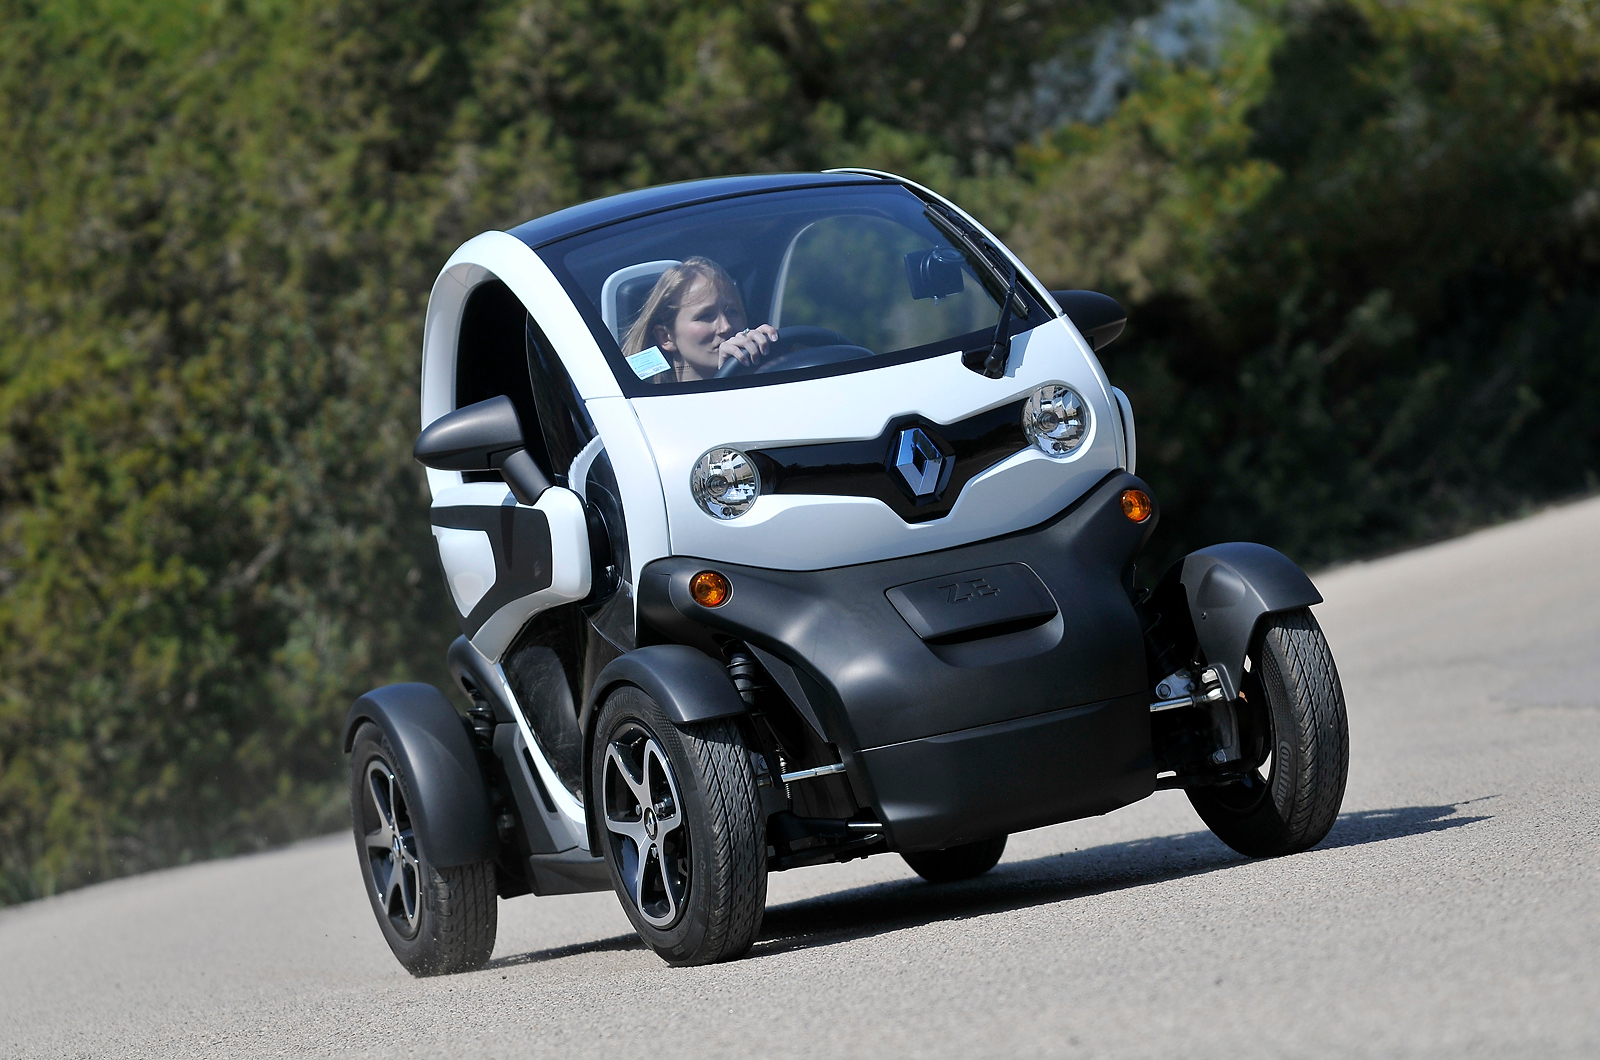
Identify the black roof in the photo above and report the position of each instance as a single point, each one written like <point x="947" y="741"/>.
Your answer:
<point x="574" y="219"/>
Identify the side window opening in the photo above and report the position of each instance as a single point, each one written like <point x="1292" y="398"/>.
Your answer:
<point x="562" y="414"/>
<point x="491" y="360"/>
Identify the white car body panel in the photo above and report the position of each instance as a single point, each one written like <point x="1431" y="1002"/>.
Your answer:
<point x="499" y="256"/>
<point x="569" y="566"/>
<point x="1129" y="436"/>
<point x="809" y="532"/>
<point x="468" y="554"/>
<point x="469" y="557"/>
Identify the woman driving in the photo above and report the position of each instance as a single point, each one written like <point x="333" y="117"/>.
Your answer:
<point x="695" y="316"/>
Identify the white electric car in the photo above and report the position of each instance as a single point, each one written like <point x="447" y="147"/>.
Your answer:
<point x="872" y="593"/>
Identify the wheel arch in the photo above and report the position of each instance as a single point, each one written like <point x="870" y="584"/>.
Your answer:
<point x="1229" y="588"/>
<point x="689" y="686"/>
<point x="450" y="808"/>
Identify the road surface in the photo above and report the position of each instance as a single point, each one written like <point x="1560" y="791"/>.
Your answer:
<point x="1454" y="911"/>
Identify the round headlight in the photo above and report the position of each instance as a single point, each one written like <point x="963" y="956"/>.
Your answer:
<point x="1056" y="420"/>
<point x="724" y="483"/>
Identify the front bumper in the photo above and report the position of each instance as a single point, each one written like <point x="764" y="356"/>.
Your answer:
<point x="1013" y="775"/>
<point x="948" y="741"/>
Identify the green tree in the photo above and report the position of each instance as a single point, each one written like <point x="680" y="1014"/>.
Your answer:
<point x="1360" y="257"/>
<point x="219" y="222"/>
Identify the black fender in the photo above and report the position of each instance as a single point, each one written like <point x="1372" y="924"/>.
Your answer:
<point x="687" y="684"/>
<point x="450" y="806"/>
<point x="1229" y="587"/>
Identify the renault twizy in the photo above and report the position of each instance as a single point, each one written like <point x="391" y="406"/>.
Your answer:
<point x="871" y="593"/>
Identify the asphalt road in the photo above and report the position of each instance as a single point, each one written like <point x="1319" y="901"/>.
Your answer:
<point x="1454" y="910"/>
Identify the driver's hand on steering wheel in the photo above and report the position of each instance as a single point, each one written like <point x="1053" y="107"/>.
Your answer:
<point x="748" y="347"/>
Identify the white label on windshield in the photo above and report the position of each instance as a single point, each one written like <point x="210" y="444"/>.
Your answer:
<point x="647" y="363"/>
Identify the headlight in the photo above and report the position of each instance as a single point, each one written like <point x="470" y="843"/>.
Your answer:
<point x="724" y="483"/>
<point x="1056" y="420"/>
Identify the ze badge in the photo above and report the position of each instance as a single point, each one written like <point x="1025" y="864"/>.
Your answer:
<point x="962" y="591"/>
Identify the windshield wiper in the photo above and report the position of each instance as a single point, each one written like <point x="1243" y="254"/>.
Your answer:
<point x="957" y="229"/>
<point x="994" y="365"/>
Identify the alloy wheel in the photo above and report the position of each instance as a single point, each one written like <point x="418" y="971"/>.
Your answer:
<point x="394" y="870"/>
<point x="644" y="819"/>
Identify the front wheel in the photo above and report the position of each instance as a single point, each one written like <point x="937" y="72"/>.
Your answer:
<point x="436" y="920"/>
<point x="1297" y="724"/>
<point x="681" y="829"/>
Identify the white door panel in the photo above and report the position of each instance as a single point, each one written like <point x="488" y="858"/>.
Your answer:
<point x="506" y="562"/>
<point x="570" y="573"/>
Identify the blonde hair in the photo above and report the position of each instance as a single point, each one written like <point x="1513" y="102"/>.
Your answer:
<point x="666" y="298"/>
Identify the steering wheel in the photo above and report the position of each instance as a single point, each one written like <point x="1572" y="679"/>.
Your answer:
<point x="799" y="346"/>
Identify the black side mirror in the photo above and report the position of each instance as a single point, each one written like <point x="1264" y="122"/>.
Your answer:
<point x="485" y="436"/>
<point x="1097" y="316"/>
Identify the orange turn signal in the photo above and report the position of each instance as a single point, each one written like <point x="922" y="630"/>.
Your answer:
<point x="1136" y="505"/>
<point x="710" y="589"/>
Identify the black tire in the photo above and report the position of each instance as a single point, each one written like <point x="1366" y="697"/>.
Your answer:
<point x="438" y="921"/>
<point x="701" y="891"/>
<point x="957" y="863"/>
<point x="1296" y="717"/>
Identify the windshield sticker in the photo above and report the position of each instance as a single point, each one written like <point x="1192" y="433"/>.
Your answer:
<point x="647" y="363"/>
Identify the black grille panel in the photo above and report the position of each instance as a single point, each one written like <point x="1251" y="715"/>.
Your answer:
<point x="864" y="469"/>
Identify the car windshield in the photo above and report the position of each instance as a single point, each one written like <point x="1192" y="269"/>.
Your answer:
<point x="848" y="277"/>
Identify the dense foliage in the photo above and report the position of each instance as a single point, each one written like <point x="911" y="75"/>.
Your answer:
<point x="1358" y="240"/>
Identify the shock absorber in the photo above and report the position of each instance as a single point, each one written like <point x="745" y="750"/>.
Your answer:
<point x="750" y="679"/>
<point x="748" y="676"/>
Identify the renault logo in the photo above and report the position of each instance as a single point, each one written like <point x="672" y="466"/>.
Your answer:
<point x="920" y="464"/>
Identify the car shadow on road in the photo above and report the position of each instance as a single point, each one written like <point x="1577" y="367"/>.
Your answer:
<point x="883" y="908"/>
<point x="887" y="907"/>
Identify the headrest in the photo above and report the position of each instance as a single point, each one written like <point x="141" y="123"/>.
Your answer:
<point x="625" y="291"/>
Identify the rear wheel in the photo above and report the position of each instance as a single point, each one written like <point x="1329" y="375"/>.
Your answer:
<point x="681" y="828"/>
<point x="1295" y="721"/>
<point x="436" y="920"/>
<point x="957" y="863"/>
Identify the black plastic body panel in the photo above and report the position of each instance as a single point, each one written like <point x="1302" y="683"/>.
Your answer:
<point x="450" y="806"/>
<point x="873" y="682"/>
<point x="1014" y="775"/>
<point x="545" y="670"/>
<point x="688" y="685"/>
<point x="475" y="676"/>
<point x="972" y="602"/>
<point x="573" y="871"/>
<point x="1098" y="317"/>
<point x="523" y="561"/>
<point x="1229" y="587"/>
<point x="475" y="438"/>
<point x="789" y="681"/>
<point x="866" y="468"/>
<point x="528" y="801"/>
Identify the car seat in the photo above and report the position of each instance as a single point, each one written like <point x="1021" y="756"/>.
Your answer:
<point x="625" y="291"/>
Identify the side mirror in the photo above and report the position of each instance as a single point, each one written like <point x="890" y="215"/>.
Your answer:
<point x="485" y="436"/>
<point x="1097" y="316"/>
